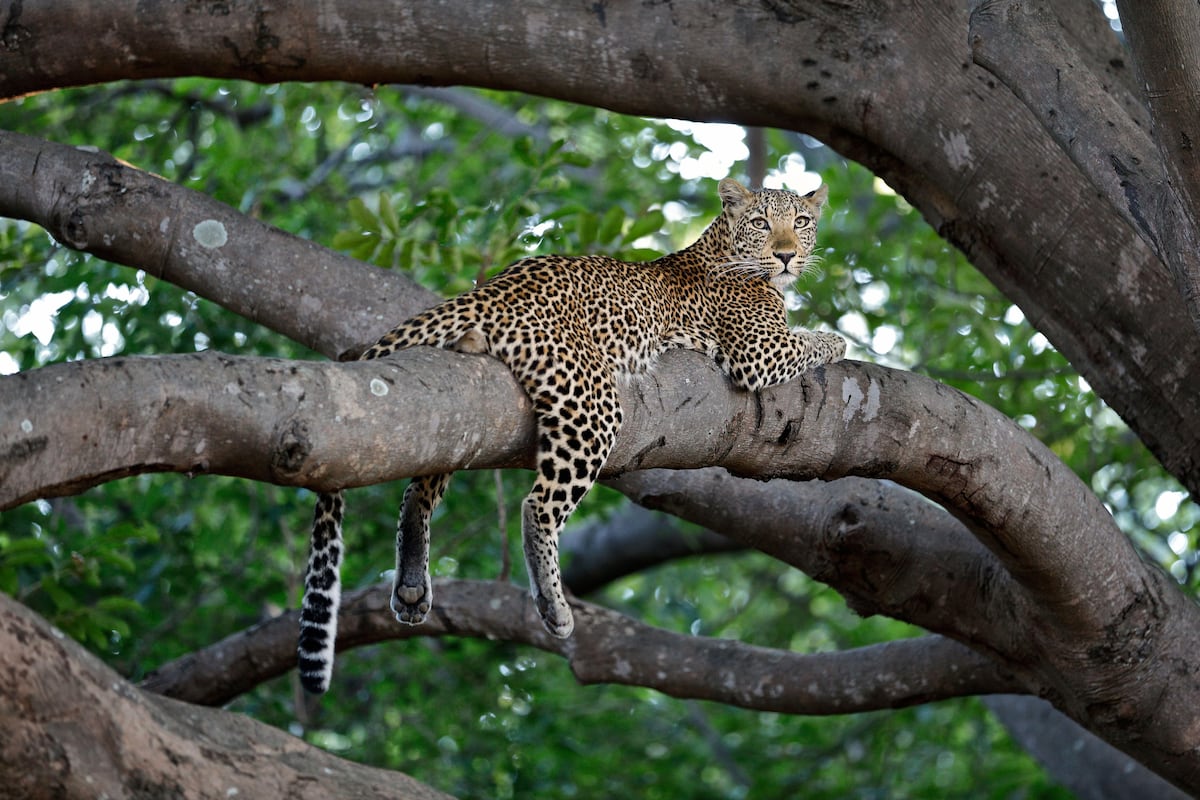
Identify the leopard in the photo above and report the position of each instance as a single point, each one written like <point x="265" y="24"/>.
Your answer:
<point x="571" y="329"/>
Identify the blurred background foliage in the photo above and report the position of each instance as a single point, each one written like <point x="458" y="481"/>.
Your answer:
<point x="449" y="186"/>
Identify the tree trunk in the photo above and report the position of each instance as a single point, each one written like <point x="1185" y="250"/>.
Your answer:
<point x="73" y="728"/>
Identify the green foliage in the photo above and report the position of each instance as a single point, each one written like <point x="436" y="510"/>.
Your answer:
<point x="450" y="187"/>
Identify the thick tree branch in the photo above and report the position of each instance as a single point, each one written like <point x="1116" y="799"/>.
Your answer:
<point x="886" y="551"/>
<point x="883" y="548"/>
<point x="609" y="647"/>
<point x="1027" y="46"/>
<point x="74" y="729"/>
<point x="1076" y="759"/>
<point x="902" y="98"/>
<point x="270" y="421"/>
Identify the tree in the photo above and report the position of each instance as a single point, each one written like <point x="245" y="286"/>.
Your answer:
<point x="1019" y="133"/>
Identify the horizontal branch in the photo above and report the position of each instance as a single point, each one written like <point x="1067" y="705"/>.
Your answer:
<point x="74" y="729"/>
<point x="269" y="420"/>
<point x="608" y="647"/>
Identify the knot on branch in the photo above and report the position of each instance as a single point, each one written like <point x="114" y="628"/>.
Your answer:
<point x="290" y="447"/>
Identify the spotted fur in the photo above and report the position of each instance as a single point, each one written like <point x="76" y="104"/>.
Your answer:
<point x="569" y="328"/>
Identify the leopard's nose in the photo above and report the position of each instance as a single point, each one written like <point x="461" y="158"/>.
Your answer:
<point x="785" y="257"/>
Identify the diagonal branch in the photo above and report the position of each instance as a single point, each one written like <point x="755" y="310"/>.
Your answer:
<point x="91" y="202"/>
<point x="1164" y="40"/>
<point x="609" y="647"/>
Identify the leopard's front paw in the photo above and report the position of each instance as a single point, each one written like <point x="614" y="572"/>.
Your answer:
<point x="831" y="346"/>
<point x="411" y="604"/>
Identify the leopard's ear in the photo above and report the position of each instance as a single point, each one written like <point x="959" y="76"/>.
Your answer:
<point x="734" y="196"/>
<point x="818" y="196"/>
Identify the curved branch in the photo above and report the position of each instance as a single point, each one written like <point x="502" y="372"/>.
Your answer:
<point x="74" y="729"/>
<point x="270" y="421"/>
<point x="608" y="647"/>
<point x="883" y="548"/>
<point x="455" y="411"/>
<point x="1123" y="317"/>
<point x="1165" y="46"/>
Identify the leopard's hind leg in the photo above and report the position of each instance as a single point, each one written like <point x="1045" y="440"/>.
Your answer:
<point x="412" y="591"/>
<point x="578" y="416"/>
<point x="440" y="326"/>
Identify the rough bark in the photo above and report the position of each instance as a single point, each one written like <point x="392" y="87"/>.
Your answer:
<point x="886" y="83"/>
<point x="1078" y="761"/>
<point x="73" y="728"/>
<point x="1032" y="51"/>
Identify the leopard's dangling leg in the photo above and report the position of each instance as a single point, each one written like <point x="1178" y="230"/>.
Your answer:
<point x="412" y="591"/>
<point x="322" y="595"/>
<point x="575" y="436"/>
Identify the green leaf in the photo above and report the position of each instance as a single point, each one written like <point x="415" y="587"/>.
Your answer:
<point x="116" y="559"/>
<point x="576" y="159"/>
<point x="386" y="255"/>
<point x="610" y="227"/>
<point x="648" y="223"/>
<point x="640" y="254"/>
<point x="387" y="213"/>
<point x="62" y="599"/>
<point x="24" y="552"/>
<point x="362" y="215"/>
<point x="586" y="226"/>
<point x="348" y="240"/>
<point x="404" y="254"/>
<point x="119" y="604"/>
<point x="523" y="150"/>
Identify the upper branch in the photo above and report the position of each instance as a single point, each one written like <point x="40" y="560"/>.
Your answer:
<point x="1022" y="211"/>
<point x="1164" y="38"/>
<point x="91" y="202"/>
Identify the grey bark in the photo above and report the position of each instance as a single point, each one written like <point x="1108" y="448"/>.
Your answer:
<point x="1100" y="125"/>
<point x="1076" y="613"/>
<point x="73" y="728"/>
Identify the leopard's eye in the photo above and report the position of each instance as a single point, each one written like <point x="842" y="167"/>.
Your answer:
<point x="761" y="223"/>
<point x="803" y="222"/>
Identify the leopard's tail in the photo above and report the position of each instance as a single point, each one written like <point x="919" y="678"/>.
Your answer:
<point x="322" y="595"/>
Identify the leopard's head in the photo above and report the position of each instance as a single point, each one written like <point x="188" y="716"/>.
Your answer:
<point x="773" y="231"/>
